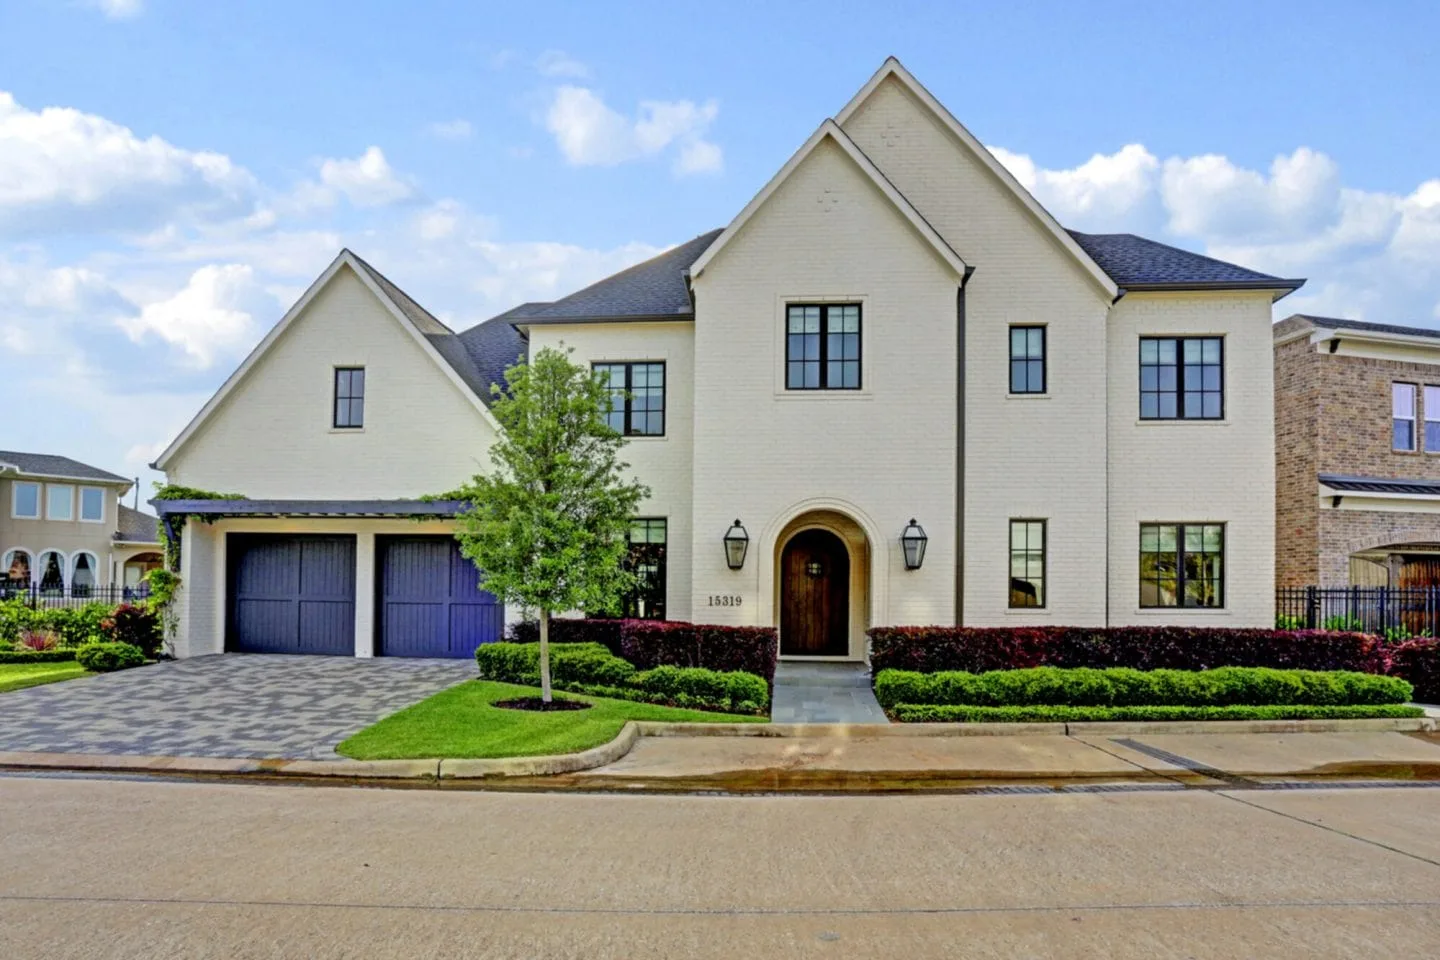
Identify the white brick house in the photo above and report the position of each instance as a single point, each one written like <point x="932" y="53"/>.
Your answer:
<point x="893" y="328"/>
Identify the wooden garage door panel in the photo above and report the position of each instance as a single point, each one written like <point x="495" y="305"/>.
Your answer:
<point x="291" y="594"/>
<point x="430" y="600"/>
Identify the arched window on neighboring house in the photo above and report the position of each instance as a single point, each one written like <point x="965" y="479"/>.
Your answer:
<point x="52" y="571"/>
<point x="83" y="574"/>
<point x="15" y="568"/>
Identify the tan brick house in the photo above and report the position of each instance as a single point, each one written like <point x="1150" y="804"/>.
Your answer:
<point x="1357" y="454"/>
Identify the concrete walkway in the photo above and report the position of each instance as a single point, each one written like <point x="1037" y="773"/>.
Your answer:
<point x="824" y="693"/>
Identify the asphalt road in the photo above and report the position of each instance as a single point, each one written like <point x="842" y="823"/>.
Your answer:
<point x="97" y="868"/>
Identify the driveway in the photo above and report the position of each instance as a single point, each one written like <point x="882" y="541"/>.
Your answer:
<point x="231" y="705"/>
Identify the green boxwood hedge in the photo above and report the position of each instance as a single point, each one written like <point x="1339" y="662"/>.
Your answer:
<point x="942" y="713"/>
<point x="103" y="657"/>
<point x="1123" y="687"/>
<point x="591" y="668"/>
<point x="36" y="656"/>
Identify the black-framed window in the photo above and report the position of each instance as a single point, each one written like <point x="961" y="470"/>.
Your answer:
<point x="822" y="346"/>
<point x="1027" y="359"/>
<point x="637" y="397"/>
<point x="1402" y="417"/>
<point x="1182" y="378"/>
<point x="349" y="397"/>
<point x="1182" y="564"/>
<point x="1027" y="563"/>
<point x="647" y="561"/>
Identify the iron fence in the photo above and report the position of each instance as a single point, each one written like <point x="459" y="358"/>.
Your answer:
<point x="37" y="595"/>
<point x="1387" y="611"/>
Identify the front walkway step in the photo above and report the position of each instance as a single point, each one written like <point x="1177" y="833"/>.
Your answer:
<point x="824" y="693"/>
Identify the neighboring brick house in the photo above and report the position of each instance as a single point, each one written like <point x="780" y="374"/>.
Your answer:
<point x="1357" y="454"/>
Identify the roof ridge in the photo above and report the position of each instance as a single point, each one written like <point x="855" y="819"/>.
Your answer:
<point x="635" y="266"/>
<point x="392" y="289"/>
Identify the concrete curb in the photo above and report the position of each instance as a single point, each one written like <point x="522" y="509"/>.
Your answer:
<point x="544" y="766"/>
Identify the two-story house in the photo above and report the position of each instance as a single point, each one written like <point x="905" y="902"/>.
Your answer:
<point x="892" y="390"/>
<point x="64" y="530"/>
<point x="1357" y="454"/>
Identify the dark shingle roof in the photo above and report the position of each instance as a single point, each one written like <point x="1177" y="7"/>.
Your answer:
<point x="1340" y="481"/>
<point x="1343" y="324"/>
<point x="48" y="465"/>
<point x="1136" y="263"/>
<point x="655" y="288"/>
<point x="133" y="526"/>
<point x="423" y="319"/>
<point x="494" y="346"/>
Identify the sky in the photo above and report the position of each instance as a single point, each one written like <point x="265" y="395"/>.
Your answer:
<point x="174" y="173"/>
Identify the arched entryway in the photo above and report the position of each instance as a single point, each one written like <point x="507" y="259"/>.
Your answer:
<point x="822" y="572"/>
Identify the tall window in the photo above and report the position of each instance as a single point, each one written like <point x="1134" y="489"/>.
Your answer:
<point x="349" y="397"/>
<point x="1182" y="564"/>
<point x="16" y="567"/>
<point x="52" y="572"/>
<point x="1402" y="416"/>
<point x="59" y="501"/>
<point x="1182" y="378"/>
<point x="82" y="577"/>
<point x="647" y="561"/>
<point x="637" y="398"/>
<point x="25" y="503"/>
<point x="1027" y="359"/>
<point x="822" y="346"/>
<point x="92" y="504"/>
<point x="1432" y="419"/>
<point x="1027" y="563"/>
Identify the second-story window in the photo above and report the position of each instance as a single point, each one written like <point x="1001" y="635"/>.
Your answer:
<point x="637" y="398"/>
<point x="92" y="504"/>
<point x="26" y="500"/>
<point x="59" y="501"/>
<point x="1402" y="417"/>
<point x="1432" y="419"/>
<point x="1182" y="378"/>
<point x="349" y="397"/>
<point x="1027" y="359"/>
<point x="822" y="346"/>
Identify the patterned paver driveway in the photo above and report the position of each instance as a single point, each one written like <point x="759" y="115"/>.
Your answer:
<point x="231" y="705"/>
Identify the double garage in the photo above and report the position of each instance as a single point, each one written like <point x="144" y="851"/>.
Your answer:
<point x="296" y="593"/>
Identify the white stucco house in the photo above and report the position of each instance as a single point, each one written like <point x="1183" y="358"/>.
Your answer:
<point x="892" y="330"/>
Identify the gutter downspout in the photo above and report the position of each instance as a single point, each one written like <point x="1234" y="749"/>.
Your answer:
<point x="960" y="448"/>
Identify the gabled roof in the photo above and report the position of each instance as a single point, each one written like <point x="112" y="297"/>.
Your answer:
<point x="654" y="289"/>
<point x="494" y="346"/>
<point x="892" y="68"/>
<point x="436" y="340"/>
<point x="57" y="467"/>
<point x="830" y="130"/>
<point x="1136" y="263"/>
<point x="133" y="526"/>
<point x="1360" y="326"/>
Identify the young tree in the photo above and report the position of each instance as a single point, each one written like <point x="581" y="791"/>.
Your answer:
<point x="549" y="527"/>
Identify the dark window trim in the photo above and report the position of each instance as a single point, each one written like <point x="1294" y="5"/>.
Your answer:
<point x="1180" y="526"/>
<point x="1044" y="360"/>
<point x="335" y="399"/>
<point x="825" y="343"/>
<point x="662" y="586"/>
<point x="1044" y="562"/>
<point x="1179" y="376"/>
<point x="629" y="366"/>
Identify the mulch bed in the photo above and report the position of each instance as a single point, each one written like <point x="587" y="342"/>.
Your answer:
<point x="535" y="703"/>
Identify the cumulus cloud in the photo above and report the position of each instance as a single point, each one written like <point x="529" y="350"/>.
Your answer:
<point x="213" y="316"/>
<point x="366" y="181"/>
<point x="557" y="63"/>
<point x="590" y="133"/>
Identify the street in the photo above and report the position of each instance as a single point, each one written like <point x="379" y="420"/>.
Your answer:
<point x="155" y="869"/>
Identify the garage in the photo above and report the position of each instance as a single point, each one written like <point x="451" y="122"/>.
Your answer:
<point x="429" y="601"/>
<point x="291" y="594"/>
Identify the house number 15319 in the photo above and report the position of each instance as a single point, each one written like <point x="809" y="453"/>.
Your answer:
<point x="724" y="600"/>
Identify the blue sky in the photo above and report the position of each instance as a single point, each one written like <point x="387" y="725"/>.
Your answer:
<point x="173" y="174"/>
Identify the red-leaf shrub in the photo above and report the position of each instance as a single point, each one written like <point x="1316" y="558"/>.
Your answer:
<point x="667" y="643"/>
<point x="978" y="649"/>
<point x="136" y="626"/>
<point x="38" y="641"/>
<point x="1419" y="662"/>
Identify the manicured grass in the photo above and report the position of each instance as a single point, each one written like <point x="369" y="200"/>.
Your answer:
<point x="460" y="722"/>
<point x="14" y="676"/>
<point x="942" y="713"/>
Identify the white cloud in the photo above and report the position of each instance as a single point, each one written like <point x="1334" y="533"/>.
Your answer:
<point x="451" y="130"/>
<point x="62" y="170"/>
<point x="590" y="133"/>
<point x="557" y="63"/>
<point x="366" y="181"/>
<point x="212" y="317"/>
<point x="119" y="9"/>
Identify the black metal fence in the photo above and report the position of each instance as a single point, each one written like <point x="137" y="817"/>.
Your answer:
<point x="1388" y="611"/>
<point x="37" y="595"/>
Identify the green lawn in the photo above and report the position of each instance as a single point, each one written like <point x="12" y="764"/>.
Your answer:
<point x="460" y="722"/>
<point x="14" y="676"/>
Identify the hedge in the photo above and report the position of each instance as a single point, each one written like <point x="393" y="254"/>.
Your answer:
<point x="1418" y="661"/>
<point x="74" y="626"/>
<point x="37" y="656"/>
<point x="941" y="713"/>
<point x="591" y="668"/>
<point x="1123" y="687"/>
<point x="981" y="649"/>
<point x="107" y="656"/>
<point x="673" y="643"/>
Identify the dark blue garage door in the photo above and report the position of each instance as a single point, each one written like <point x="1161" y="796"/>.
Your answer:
<point x="291" y="594"/>
<point x="430" y="602"/>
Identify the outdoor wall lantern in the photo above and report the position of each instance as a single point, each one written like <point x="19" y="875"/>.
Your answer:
<point x="913" y="540"/>
<point x="737" y="541"/>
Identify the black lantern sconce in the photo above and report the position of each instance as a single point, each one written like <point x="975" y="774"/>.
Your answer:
<point x="913" y="541"/>
<point x="737" y="541"/>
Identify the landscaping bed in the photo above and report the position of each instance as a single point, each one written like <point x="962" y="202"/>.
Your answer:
<point x="463" y="722"/>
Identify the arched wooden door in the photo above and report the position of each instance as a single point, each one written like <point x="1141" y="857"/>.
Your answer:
<point x="815" y="595"/>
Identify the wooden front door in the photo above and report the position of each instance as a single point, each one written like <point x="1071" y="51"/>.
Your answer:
<point x="815" y="595"/>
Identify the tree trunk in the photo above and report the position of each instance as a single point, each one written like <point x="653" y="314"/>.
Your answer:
<point x="545" y="655"/>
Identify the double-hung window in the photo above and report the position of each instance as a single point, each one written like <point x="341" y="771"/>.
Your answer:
<point x="349" y="398"/>
<point x="1432" y="419"/>
<point x="637" y="397"/>
<point x="1027" y="359"/>
<point x="1182" y="565"/>
<point x="1182" y="378"/>
<point x="1027" y="563"/>
<point x="822" y="346"/>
